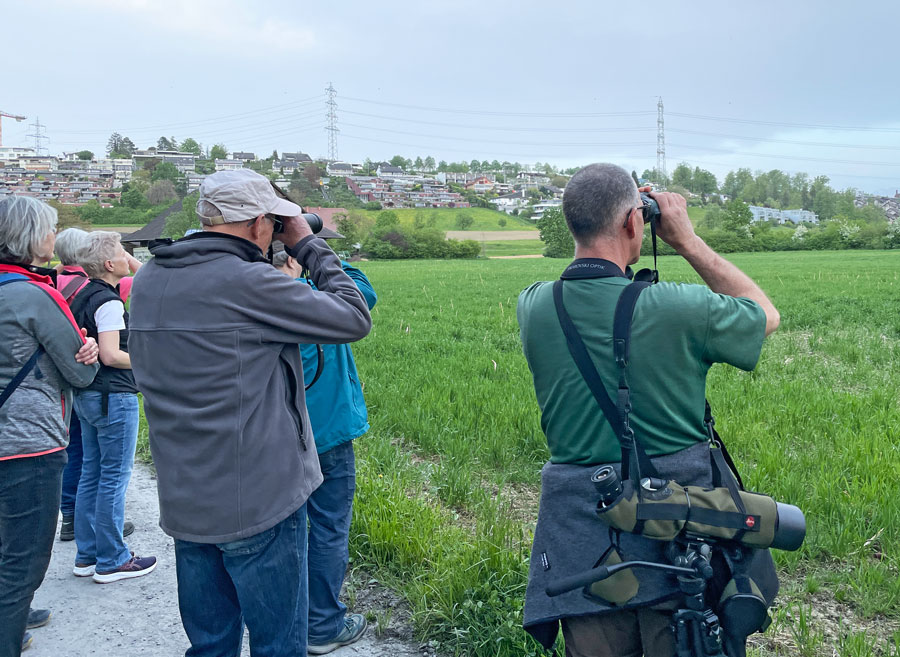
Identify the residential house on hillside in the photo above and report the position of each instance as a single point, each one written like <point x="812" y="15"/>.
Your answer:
<point x="543" y="206"/>
<point x="183" y="161"/>
<point x="480" y="185"/>
<point x="509" y="202"/>
<point x="244" y="157"/>
<point x="532" y="178"/>
<point x="300" y="158"/>
<point x="229" y="165"/>
<point x="338" y="169"/>
<point x="286" y="166"/>
<point x="783" y="216"/>
<point x="388" y="171"/>
<point x="10" y="153"/>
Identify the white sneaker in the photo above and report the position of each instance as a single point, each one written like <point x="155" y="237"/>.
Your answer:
<point x="84" y="570"/>
<point x="134" y="567"/>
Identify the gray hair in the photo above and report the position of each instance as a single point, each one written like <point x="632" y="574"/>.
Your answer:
<point x="24" y="225"/>
<point x="69" y="244"/>
<point x="596" y="199"/>
<point x="99" y="246"/>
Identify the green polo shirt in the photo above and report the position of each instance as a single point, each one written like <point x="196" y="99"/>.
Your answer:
<point x="678" y="332"/>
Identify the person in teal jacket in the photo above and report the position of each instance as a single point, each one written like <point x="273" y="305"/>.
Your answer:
<point x="337" y="413"/>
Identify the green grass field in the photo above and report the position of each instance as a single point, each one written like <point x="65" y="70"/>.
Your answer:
<point x="513" y="247"/>
<point x="445" y="218"/>
<point x="448" y="476"/>
<point x="449" y="472"/>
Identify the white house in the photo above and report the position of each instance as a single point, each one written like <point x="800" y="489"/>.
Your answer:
<point x="229" y="165"/>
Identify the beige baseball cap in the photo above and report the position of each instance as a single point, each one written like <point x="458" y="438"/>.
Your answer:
<point x="229" y="197"/>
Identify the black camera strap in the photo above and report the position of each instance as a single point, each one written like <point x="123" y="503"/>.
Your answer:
<point x="633" y="454"/>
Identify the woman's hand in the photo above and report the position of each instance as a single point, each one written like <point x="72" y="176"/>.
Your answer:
<point x="89" y="352"/>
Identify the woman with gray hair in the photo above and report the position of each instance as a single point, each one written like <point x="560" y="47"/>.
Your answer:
<point x="109" y="414"/>
<point x="43" y="355"/>
<point x="70" y="280"/>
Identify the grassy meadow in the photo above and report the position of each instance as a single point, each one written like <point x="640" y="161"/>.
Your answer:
<point x="448" y="476"/>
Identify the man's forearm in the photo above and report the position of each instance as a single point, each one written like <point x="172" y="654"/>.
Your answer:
<point x="725" y="278"/>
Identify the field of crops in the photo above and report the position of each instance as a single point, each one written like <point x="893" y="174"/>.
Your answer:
<point x="448" y="477"/>
<point x="449" y="473"/>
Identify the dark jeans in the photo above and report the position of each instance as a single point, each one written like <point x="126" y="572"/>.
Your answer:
<point x="330" y="508"/>
<point x="72" y="473"/>
<point x="29" y="507"/>
<point x="259" y="581"/>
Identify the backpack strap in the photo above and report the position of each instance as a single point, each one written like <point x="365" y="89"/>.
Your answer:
<point x="16" y="381"/>
<point x="78" y="281"/>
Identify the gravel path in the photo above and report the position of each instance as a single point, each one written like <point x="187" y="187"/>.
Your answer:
<point x="138" y="617"/>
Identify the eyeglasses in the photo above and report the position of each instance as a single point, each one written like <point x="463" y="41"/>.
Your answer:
<point x="643" y="207"/>
<point x="278" y="223"/>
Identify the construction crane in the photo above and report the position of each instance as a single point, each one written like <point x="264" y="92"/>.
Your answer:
<point x="11" y="116"/>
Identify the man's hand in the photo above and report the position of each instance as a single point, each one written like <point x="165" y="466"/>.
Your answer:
<point x="89" y="352"/>
<point x="675" y="227"/>
<point x="295" y="229"/>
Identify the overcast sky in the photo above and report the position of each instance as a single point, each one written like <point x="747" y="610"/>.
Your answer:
<point x="798" y="86"/>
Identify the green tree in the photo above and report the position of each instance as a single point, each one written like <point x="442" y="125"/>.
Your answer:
<point x="429" y="163"/>
<point x="704" y="182"/>
<point x="555" y="234"/>
<point x="218" y="152"/>
<point x="190" y="145"/>
<point x="398" y="161"/>
<point x="85" y="155"/>
<point x="464" y="220"/>
<point x="165" y="171"/>
<point x="119" y="147"/>
<point x="133" y="198"/>
<point x="419" y="165"/>
<point x="683" y="175"/>
<point x="179" y="223"/>
<point x="164" y="144"/>
<point x="501" y="222"/>
<point x="737" y="216"/>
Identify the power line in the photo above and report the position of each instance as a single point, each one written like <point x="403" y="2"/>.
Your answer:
<point x="494" y="113"/>
<point x="180" y="126"/>
<point x="495" y="141"/>
<point x="661" y="143"/>
<point x="788" y="157"/>
<point x="836" y="175"/>
<point x="492" y="128"/>
<point x="784" y="141"/>
<point x="779" y="123"/>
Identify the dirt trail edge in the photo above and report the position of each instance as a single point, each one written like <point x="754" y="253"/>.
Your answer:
<point x="139" y="617"/>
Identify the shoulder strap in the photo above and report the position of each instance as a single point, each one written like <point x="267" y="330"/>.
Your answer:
<point x="10" y="277"/>
<point x="78" y="280"/>
<point x="16" y="381"/>
<point x="622" y="321"/>
<point x="631" y="449"/>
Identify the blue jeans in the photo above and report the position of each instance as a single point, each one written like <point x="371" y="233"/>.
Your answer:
<point x="29" y="507"/>
<point x="330" y="509"/>
<point x="259" y="581"/>
<point x="72" y="473"/>
<point x="108" y="442"/>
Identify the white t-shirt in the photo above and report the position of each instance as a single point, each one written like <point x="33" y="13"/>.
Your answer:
<point x="110" y="317"/>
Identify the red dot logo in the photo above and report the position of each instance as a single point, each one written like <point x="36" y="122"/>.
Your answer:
<point x="750" y="522"/>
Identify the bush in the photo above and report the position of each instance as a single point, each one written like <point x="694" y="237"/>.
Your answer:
<point x="393" y="242"/>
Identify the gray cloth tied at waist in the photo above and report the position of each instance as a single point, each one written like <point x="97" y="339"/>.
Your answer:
<point x="570" y="537"/>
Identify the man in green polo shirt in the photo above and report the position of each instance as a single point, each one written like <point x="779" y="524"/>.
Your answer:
<point x="678" y="332"/>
